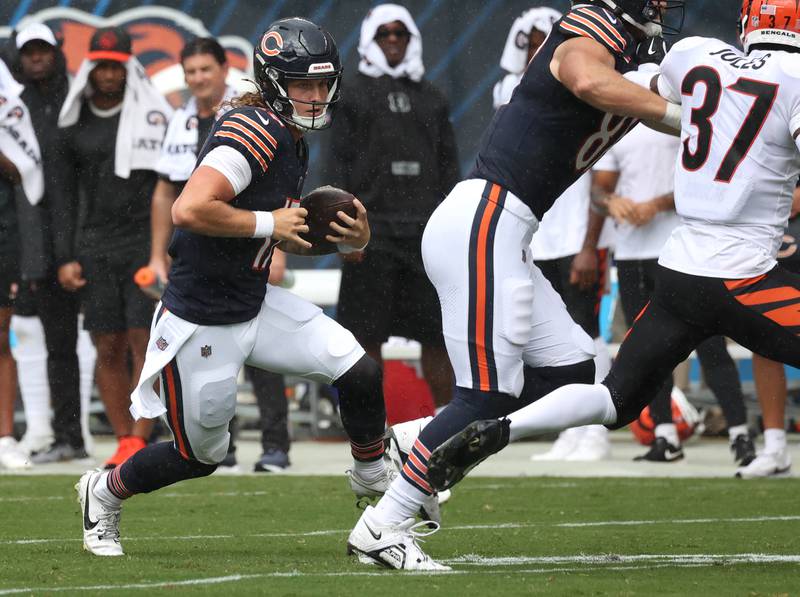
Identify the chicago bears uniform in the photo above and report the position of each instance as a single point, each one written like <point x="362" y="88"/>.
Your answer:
<point x="217" y="312"/>
<point x="213" y="280"/>
<point x="492" y="216"/>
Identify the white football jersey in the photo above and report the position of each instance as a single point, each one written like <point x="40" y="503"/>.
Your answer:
<point x="739" y="163"/>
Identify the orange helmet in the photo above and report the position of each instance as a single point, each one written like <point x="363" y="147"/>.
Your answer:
<point x="769" y="22"/>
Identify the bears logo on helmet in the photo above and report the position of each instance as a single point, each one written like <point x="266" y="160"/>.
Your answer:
<point x="769" y="22"/>
<point x="293" y="49"/>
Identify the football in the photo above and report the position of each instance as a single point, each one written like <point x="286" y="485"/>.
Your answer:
<point x="322" y="205"/>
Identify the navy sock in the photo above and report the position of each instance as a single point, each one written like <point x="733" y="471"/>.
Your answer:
<point x="154" y="467"/>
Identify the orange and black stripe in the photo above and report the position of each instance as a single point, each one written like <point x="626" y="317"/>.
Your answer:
<point x="480" y="327"/>
<point x="771" y="297"/>
<point x="173" y="390"/>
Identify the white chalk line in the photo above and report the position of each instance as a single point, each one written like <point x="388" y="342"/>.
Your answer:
<point x="466" y="527"/>
<point x="612" y="562"/>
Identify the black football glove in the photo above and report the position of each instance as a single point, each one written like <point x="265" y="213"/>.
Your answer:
<point x="652" y="50"/>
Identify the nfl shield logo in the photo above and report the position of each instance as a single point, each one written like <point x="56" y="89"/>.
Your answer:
<point x="205" y="351"/>
<point x="161" y="343"/>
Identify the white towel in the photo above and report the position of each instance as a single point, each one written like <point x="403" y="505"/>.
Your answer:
<point x="179" y="152"/>
<point x="373" y="60"/>
<point x="166" y="338"/>
<point x="18" y="138"/>
<point x="515" y="54"/>
<point x="144" y="118"/>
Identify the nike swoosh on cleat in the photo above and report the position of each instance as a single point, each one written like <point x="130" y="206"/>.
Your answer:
<point x="88" y="523"/>
<point x="376" y="536"/>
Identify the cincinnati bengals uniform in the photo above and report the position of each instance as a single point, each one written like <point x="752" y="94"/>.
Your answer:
<point x="734" y="180"/>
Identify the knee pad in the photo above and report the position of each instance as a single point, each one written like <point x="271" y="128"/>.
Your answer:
<point x="517" y="312"/>
<point x="217" y="408"/>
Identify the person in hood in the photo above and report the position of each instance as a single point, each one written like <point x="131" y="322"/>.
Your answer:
<point x="393" y="146"/>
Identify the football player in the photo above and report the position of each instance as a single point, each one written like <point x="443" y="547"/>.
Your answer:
<point x="718" y="272"/>
<point x="504" y="325"/>
<point x="217" y="312"/>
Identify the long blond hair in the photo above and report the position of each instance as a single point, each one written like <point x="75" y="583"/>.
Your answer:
<point x="251" y="98"/>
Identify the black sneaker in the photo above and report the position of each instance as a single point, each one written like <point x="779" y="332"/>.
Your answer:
<point x="452" y="460"/>
<point x="744" y="452"/>
<point x="662" y="451"/>
<point x="59" y="453"/>
<point x="272" y="461"/>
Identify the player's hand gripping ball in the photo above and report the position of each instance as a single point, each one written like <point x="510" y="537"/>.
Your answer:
<point x="322" y="205"/>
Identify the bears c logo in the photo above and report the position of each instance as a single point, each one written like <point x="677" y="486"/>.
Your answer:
<point x="276" y="37"/>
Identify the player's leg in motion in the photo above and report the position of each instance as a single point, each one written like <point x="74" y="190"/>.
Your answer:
<point x="296" y="338"/>
<point x="487" y="323"/>
<point x="198" y="388"/>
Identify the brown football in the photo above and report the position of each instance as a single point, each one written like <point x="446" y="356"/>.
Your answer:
<point x="322" y="205"/>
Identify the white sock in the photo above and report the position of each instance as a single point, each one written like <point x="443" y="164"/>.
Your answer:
<point x="103" y="493"/>
<point x="669" y="432"/>
<point x="30" y="353"/>
<point x="736" y="431"/>
<point x="87" y="355"/>
<point x="400" y="503"/>
<point x="602" y="360"/>
<point x="774" y="441"/>
<point x="369" y="471"/>
<point x="568" y="406"/>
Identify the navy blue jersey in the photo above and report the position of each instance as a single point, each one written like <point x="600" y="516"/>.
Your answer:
<point x="539" y="143"/>
<point x="217" y="281"/>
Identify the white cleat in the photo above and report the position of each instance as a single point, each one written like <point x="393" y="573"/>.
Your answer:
<point x="592" y="446"/>
<point x="375" y="488"/>
<point x="565" y="444"/>
<point x="775" y="464"/>
<point x="12" y="455"/>
<point x="392" y="546"/>
<point x="31" y="443"/>
<point x="100" y="523"/>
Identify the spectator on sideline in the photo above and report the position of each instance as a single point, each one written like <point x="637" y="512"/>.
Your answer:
<point x="107" y="154"/>
<point x="20" y="162"/>
<point x="639" y="197"/>
<point x="46" y="316"/>
<point x="205" y="69"/>
<point x="392" y="146"/>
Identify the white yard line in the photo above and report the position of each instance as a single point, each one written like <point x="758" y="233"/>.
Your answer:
<point x="662" y="561"/>
<point x="466" y="527"/>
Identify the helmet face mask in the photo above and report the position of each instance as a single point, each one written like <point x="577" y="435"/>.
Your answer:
<point x="649" y="16"/>
<point x="297" y="49"/>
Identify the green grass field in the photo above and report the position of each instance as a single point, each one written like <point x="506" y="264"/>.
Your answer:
<point x="286" y="536"/>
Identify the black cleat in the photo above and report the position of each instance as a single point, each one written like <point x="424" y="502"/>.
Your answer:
<point x="662" y="451"/>
<point x="450" y="462"/>
<point x="744" y="452"/>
